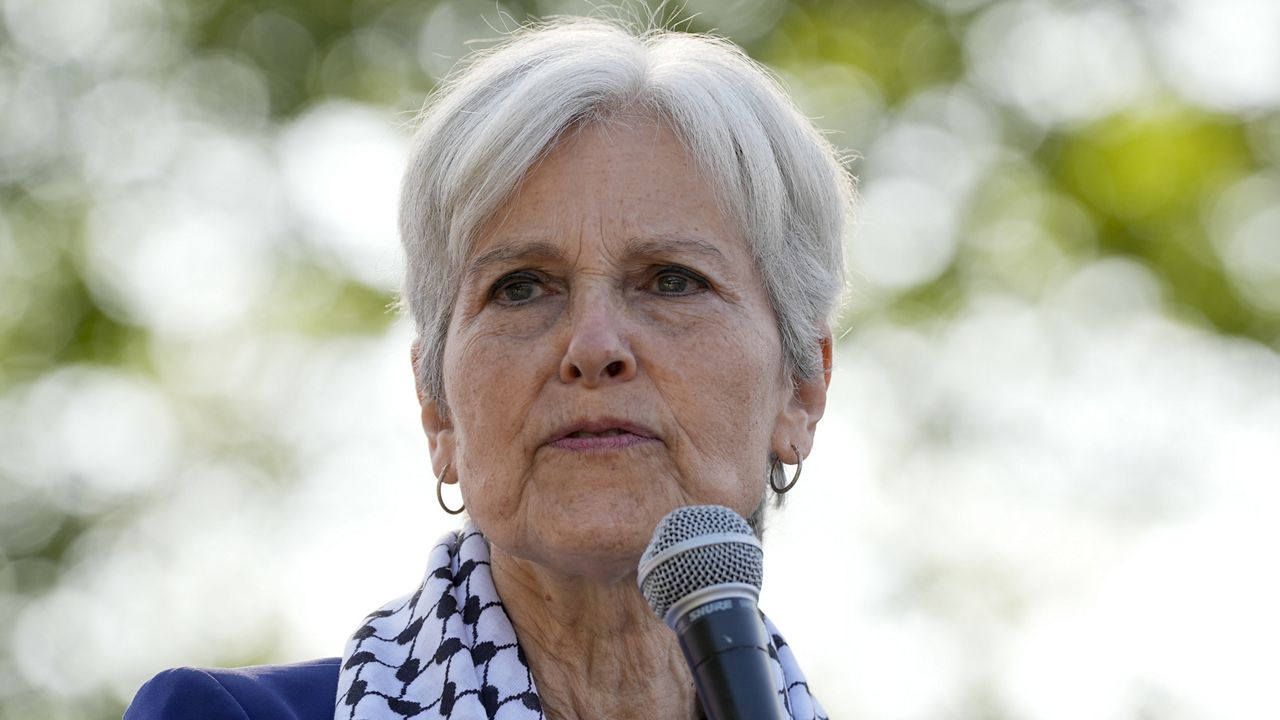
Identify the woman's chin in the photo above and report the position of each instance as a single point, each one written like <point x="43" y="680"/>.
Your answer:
<point x="601" y="568"/>
<point x="598" y="532"/>
<point x="592" y="542"/>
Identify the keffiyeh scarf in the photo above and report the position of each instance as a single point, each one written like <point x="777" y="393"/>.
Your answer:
<point x="449" y="650"/>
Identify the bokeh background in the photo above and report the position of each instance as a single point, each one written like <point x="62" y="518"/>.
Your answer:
<point x="1048" y="485"/>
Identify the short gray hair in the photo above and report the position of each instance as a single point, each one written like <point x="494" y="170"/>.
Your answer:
<point x="500" y="110"/>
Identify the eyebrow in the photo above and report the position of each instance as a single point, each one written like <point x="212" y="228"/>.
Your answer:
<point x="641" y="246"/>
<point x="526" y="250"/>
<point x="670" y="244"/>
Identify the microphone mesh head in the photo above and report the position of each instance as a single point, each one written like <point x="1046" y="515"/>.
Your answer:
<point x="699" y="567"/>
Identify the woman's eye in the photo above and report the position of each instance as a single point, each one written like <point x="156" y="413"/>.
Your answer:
<point x="677" y="281"/>
<point x="517" y="289"/>
<point x="673" y="284"/>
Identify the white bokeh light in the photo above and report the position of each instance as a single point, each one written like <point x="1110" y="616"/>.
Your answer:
<point x="916" y="181"/>
<point x="840" y="99"/>
<point x="1245" y="229"/>
<point x="1224" y="54"/>
<point x="452" y="29"/>
<point x="93" y="435"/>
<point x="30" y="123"/>
<point x="906" y="234"/>
<point x="1058" y="64"/>
<point x="126" y="132"/>
<point x="68" y="30"/>
<point x="176" y="265"/>
<point x="342" y="164"/>
<point x="224" y="87"/>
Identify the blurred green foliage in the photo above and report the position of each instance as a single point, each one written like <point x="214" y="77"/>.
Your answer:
<point x="1146" y="178"/>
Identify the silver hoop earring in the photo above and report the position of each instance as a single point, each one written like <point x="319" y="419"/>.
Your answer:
<point x="773" y="470"/>
<point x="440" y="493"/>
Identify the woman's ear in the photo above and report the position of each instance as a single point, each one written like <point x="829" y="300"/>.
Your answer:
<point x="435" y="423"/>
<point x="799" y="418"/>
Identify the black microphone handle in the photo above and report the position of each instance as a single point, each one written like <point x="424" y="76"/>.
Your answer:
<point x="726" y="647"/>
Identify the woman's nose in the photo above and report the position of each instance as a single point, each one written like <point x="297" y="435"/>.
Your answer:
<point x="599" y="351"/>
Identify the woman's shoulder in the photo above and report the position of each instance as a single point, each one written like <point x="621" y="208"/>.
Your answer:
<point x="298" y="691"/>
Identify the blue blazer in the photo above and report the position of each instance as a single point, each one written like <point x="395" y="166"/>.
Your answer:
<point x="301" y="691"/>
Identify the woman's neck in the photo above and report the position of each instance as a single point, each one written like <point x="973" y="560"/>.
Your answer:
<point x="595" y="648"/>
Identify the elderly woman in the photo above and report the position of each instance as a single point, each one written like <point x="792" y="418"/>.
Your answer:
<point x="622" y="255"/>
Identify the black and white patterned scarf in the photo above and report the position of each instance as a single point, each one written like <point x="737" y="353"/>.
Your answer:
<point x="449" y="650"/>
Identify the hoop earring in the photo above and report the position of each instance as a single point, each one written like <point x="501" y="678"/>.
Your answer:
<point x="773" y="470"/>
<point x="440" y="493"/>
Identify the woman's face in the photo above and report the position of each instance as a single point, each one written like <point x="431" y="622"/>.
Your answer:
<point x="612" y="355"/>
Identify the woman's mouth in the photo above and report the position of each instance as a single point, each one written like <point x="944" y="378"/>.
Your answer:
<point x="607" y="433"/>
<point x="585" y="439"/>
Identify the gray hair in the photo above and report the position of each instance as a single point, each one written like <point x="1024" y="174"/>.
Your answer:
<point x="501" y="110"/>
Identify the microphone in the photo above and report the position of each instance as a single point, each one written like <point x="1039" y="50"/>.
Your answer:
<point x="702" y="574"/>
